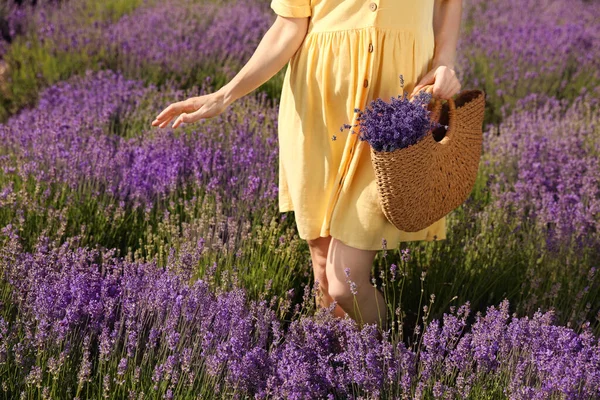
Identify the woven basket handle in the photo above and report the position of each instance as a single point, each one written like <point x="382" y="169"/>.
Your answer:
<point x="437" y="104"/>
<point x="436" y="111"/>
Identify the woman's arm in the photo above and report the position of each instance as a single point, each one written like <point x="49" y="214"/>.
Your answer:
<point x="446" y="28"/>
<point x="275" y="49"/>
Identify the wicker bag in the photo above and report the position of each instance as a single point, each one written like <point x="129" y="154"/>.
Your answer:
<point x="420" y="184"/>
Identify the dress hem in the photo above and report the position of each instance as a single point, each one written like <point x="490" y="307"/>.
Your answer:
<point x="359" y="246"/>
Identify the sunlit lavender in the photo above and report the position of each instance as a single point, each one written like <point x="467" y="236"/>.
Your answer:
<point x="180" y="41"/>
<point x="75" y="136"/>
<point x="546" y="158"/>
<point x="188" y="35"/>
<point x="513" y="48"/>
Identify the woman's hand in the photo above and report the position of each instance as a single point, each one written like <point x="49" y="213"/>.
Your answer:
<point x="192" y="110"/>
<point x="444" y="80"/>
<point x="276" y="48"/>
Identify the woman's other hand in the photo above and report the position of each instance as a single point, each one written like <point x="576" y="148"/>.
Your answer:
<point x="192" y="110"/>
<point x="444" y="80"/>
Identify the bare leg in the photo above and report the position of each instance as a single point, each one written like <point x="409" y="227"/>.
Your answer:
<point x="318" y="251"/>
<point x="371" y="306"/>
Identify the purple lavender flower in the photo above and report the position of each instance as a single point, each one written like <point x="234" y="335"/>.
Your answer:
<point x="393" y="271"/>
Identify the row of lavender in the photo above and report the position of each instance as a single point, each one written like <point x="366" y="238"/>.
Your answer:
<point x="206" y="208"/>
<point x="120" y="329"/>
<point x="503" y="49"/>
<point x="181" y="41"/>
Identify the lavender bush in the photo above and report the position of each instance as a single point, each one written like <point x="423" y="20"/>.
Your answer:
<point x="141" y="329"/>
<point x="544" y="169"/>
<point x="88" y="145"/>
<point x="51" y="40"/>
<point x="190" y="40"/>
<point x="515" y="48"/>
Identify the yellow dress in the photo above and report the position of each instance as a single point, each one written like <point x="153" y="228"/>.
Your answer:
<point x="354" y="51"/>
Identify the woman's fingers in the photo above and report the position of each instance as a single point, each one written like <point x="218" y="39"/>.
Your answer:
<point x="442" y="78"/>
<point x="174" y="110"/>
<point x="163" y="119"/>
<point x="190" y="110"/>
<point x="447" y="86"/>
<point x="426" y="80"/>
<point x="189" y="117"/>
<point x="170" y="112"/>
<point x="453" y="88"/>
<point x="166" y="122"/>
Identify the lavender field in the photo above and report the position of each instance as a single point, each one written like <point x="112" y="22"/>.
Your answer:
<point x="145" y="263"/>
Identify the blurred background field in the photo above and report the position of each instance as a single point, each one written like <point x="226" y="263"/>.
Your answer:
<point x="145" y="263"/>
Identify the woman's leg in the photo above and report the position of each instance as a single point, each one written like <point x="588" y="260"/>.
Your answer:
<point x="318" y="252"/>
<point x="371" y="307"/>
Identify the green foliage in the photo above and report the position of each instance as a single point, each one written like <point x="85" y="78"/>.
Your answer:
<point x="34" y="65"/>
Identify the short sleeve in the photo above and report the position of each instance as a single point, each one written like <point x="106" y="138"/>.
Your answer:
<point x="292" y="8"/>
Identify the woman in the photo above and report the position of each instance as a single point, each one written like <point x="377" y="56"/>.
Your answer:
<point x="342" y="54"/>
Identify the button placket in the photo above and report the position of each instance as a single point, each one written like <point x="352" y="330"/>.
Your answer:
<point x="354" y="139"/>
<point x="365" y="85"/>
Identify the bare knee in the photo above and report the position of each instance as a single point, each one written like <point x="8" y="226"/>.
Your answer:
<point x="348" y="272"/>
<point x="342" y="293"/>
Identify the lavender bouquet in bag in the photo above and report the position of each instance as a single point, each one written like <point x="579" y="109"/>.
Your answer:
<point x="398" y="124"/>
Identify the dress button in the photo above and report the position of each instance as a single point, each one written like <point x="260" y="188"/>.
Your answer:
<point x="370" y="47"/>
<point x="373" y="6"/>
<point x="366" y="82"/>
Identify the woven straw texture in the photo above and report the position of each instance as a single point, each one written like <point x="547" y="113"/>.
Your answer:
<point x="422" y="183"/>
